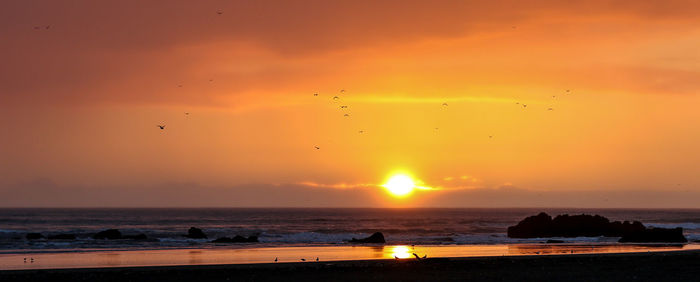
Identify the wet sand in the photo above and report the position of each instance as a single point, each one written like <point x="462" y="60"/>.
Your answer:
<point x="652" y="266"/>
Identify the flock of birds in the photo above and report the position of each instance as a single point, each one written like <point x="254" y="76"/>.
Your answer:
<point x="344" y="108"/>
<point x="395" y="257"/>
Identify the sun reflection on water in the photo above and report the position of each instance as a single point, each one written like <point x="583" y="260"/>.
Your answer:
<point x="398" y="252"/>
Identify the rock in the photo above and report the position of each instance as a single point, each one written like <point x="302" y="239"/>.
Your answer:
<point x="542" y="226"/>
<point x="34" y="236"/>
<point x="62" y="237"/>
<point x="136" y="237"/>
<point x="656" y="235"/>
<point x="377" y="237"/>
<point x="551" y="241"/>
<point x="236" y="239"/>
<point x="109" y="234"/>
<point x="195" y="233"/>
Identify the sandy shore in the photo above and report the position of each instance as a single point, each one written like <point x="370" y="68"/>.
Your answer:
<point x="660" y="266"/>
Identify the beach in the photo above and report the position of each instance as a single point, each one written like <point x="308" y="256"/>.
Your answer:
<point x="652" y="266"/>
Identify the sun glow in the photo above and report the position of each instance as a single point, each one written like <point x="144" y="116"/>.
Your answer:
<point x="400" y="185"/>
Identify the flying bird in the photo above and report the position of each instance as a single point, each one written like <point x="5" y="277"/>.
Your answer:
<point x="317" y="147"/>
<point x="524" y="106"/>
<point x="361" y="131"/>
<point x="336" y="97"/>
<point x="187" y="114"/>
<point x="415" y="255"/>
<point x="444" y="104"/>
<point x="342" y="90"/>
<point x="315" y="94"/>
<point x="303" y="259"/>
<point x="161" y="126"/>
<point x="346" y="115"/>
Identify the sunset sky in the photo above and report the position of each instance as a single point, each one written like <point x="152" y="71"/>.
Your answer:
<point x="83" y="85"/>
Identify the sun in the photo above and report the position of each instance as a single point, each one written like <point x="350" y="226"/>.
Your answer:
<point x="400" y="185"/>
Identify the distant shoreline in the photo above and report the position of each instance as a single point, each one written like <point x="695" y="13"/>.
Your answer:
<point x="658" y="266"/>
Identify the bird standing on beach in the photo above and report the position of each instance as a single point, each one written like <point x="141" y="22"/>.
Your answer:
<point x="275" y="259"/>
<point x="396" y="257"/>
<point x="316" y="258"/>
<point x="417" y="257"/>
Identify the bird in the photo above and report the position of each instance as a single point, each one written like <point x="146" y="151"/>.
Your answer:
<point x="346" y="115"/>
<point x="490" y="136"/>
<point x="303" y="259"/>
<point x="425" y="256"/>
<point x="517" y="103"/>
<point x="161" y="126"/>
<point x="316" y="258"/>
<point x="537" y="253"/>
<point x="444" y="104"/>
<point x="568" y="91"/>
<point x="524" y="106"/>
<point x="417" y="257"/>
<point x="395" y="257"/>
<point x="550" y="109"/>
<point x="336" y="97"/>
<point x="315" y="94"/>
<point x="275" y="259"/>
<point x="361" y="131"/>
<point x="187" y="113"/>
<point x="343" y="107"/>
<point x="317" y="147"/>
<point x="437" y="128"/>
<point x="554" y="96"/>
<point x="32" y="260"/>
<point x="342" y="90"/>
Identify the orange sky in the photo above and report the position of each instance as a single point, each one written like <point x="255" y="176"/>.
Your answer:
<point x="80" y="100"/>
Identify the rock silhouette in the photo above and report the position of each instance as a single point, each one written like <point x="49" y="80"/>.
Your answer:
<point x="109" y="234"/>
<point x="542" y="226"/>
<point x="34" y="236"/>
<point x="377" y="237"/>
<point x="195" y="233"/>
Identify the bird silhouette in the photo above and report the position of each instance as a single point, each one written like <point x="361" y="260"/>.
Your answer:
<point x="315" y="94"/>
<point x="524" y="106"/>
<point x="444" y="104"/>
<point x="361" y="131"/>
<point x="425" y="256"/>
<point x="317" y="147"/>
<point x="346" y="115"/>
<point x="336" y="97"/>
<point x="275" y="259"/>
<point x="415" y="255"/>
<point x="396" y="257"/>
<point x="342" y="90"/>
<point x="303" y="259"/>
<point x="187" y="113"/>
<point x="490" y="136"/>
<point x="568" y="91"/>
<point x="316" y="258"/>
<point x="161" y="126"/>
<point x="343" y="107"/>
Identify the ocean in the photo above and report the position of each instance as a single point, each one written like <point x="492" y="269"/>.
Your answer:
<point x="282" y="227"/>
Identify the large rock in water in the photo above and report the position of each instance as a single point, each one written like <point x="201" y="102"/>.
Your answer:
<point x="109" y="234"/>
<point x="195" y="233"/>
<point x="656" y="235"/>
<point x="542" y="225"/>
<point x="377" y="237"/>
<point x="34" y="236"/>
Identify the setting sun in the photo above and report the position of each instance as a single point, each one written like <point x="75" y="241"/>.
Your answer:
<point x="400" y="185"/>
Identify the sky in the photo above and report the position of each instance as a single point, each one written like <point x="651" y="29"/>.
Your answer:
<point x="482" y="103"/>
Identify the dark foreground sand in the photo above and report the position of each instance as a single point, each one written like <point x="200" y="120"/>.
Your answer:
<point x="661" y="266"/>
